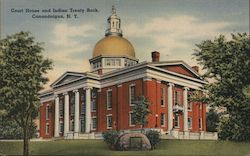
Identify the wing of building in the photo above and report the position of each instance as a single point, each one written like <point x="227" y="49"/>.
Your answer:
<point x="102" y="99"/>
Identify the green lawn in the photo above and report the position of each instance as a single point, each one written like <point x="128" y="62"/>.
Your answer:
<point x="98" y="147"/>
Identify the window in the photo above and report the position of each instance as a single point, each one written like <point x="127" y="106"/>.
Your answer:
<point x="47" y="112"/>
<point x="177" y="98"/>
<point x="47" y="129"/>
<point x="132" y="94"/>
<point x="200" y="123"/>
<point x="118" y="62"/>
<point x="190" y="106"/>
<point x="131" y="119"/>
<point x="163" y="97"/>
<point x="94" y="93"/>
<point x="190" y="94"/>
<point x="82" y="104"/>
<point x="61" y="105"/>
<point x="72" y="105"/>
<point x="189" y="123"/>
<point x="176" y="120"/>
<point x="113" y="62"/>
<point x="162" y="119"/>
<point x="93" y="123"/>
<point x="190" y="101"/>
<point x="93" y="105"/>
<point x="109" y="99"/>
<point x="109" y="121"/>
<point x="82" y="125"/>
<point x="61" y="127"/>
<point x="108" y="62"/>
<point x="71" y="125"/>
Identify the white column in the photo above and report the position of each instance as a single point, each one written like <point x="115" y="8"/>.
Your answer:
<point x="170" y="106"/>
<point x="88" y="111"/>
<point x="185" y="104"/>
<point x="66" y="113"/>
<point x="56" y="116"/>
<point x="76" y="128"/>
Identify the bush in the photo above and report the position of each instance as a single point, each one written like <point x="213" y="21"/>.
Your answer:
<point x="154" y="138"/>
<point x="110" y="137"/>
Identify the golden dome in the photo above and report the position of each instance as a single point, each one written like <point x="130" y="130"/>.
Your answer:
<point x="113" y="45"/>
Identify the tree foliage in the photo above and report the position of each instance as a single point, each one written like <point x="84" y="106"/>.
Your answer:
<point x="141" y="110"/>
<point x="110" y="137"/>
<point x="227" y="64"/>
<point x="22" y="74"/>
<point x="153" y="137"/>
<point x="9" y="129"/>
<point x="212" y="120"/>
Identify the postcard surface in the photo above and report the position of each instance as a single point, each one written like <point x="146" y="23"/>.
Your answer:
<point x="109" y="54"/>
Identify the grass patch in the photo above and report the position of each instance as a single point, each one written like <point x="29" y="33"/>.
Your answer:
<point x="98" y="147"/>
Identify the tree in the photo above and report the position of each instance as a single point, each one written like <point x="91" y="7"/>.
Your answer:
<point x="212" y="120"/>
<point x="227" y="64"/>
<point x="22" y="75"/>
<point x="141" y="111"/>
<point x="9" y="129"/>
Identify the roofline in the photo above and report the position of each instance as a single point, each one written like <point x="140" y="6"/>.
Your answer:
<point x="174" y="63"/>
<point x="86" y="75"/>
<point x="124" y="70"/>
<point x="65" y="73"/>
<point x="144" y="65"/>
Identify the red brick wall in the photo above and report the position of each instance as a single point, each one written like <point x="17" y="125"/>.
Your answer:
<point x="43" y="120"/>
<point x="178" y="69"/>
<point x="120" y="105"/>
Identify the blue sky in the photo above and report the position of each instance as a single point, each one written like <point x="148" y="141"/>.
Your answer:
<point x="172" y="27"/>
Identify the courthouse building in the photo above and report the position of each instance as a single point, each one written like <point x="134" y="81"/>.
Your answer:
<point x="81" y="104"/>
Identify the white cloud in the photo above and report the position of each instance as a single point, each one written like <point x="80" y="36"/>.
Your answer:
<point x="65" y="34"/>
<point x="169" y="34"/>
<point x="66" y="47"/>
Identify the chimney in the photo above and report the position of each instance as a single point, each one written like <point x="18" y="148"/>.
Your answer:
<point x="155" y="56"/>
<point x="196" y="68"/>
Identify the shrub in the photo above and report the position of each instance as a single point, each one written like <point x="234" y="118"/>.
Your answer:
<point x="110" y="137"/>
<point x="154" y="138"/>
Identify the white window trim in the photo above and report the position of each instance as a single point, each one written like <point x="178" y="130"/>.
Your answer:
<point x="176" y="99"/>
<point x="178" y="122"/>
<point x="109" y="115"/>
<point x="60" y="130"/>
<point x="164" y="120"/>
<point x="163" y="96"/>
<point x="200" y="120"/>
<point x="47" y="112"/>
<point x="191" y="122"/>
<point x="92" y="106"/>
<point x="130" y="101"/>
<point x="47" y="130"/>
<point x="130" y="119"/>
<point x="80" y="126"/>
<point x="93" y="117"/>
<point x="109" y="90"/>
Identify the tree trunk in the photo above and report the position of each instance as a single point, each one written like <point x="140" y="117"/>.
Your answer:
<point x="25" y="141"/>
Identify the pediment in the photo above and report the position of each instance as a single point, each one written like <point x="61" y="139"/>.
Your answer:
<point x="179" y="67"/>
<point x="66" y="78"/>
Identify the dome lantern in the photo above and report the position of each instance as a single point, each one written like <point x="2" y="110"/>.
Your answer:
<point x="114" y="24"/>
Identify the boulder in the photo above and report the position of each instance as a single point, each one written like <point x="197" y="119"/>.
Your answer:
<point x="133" y="141"/>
